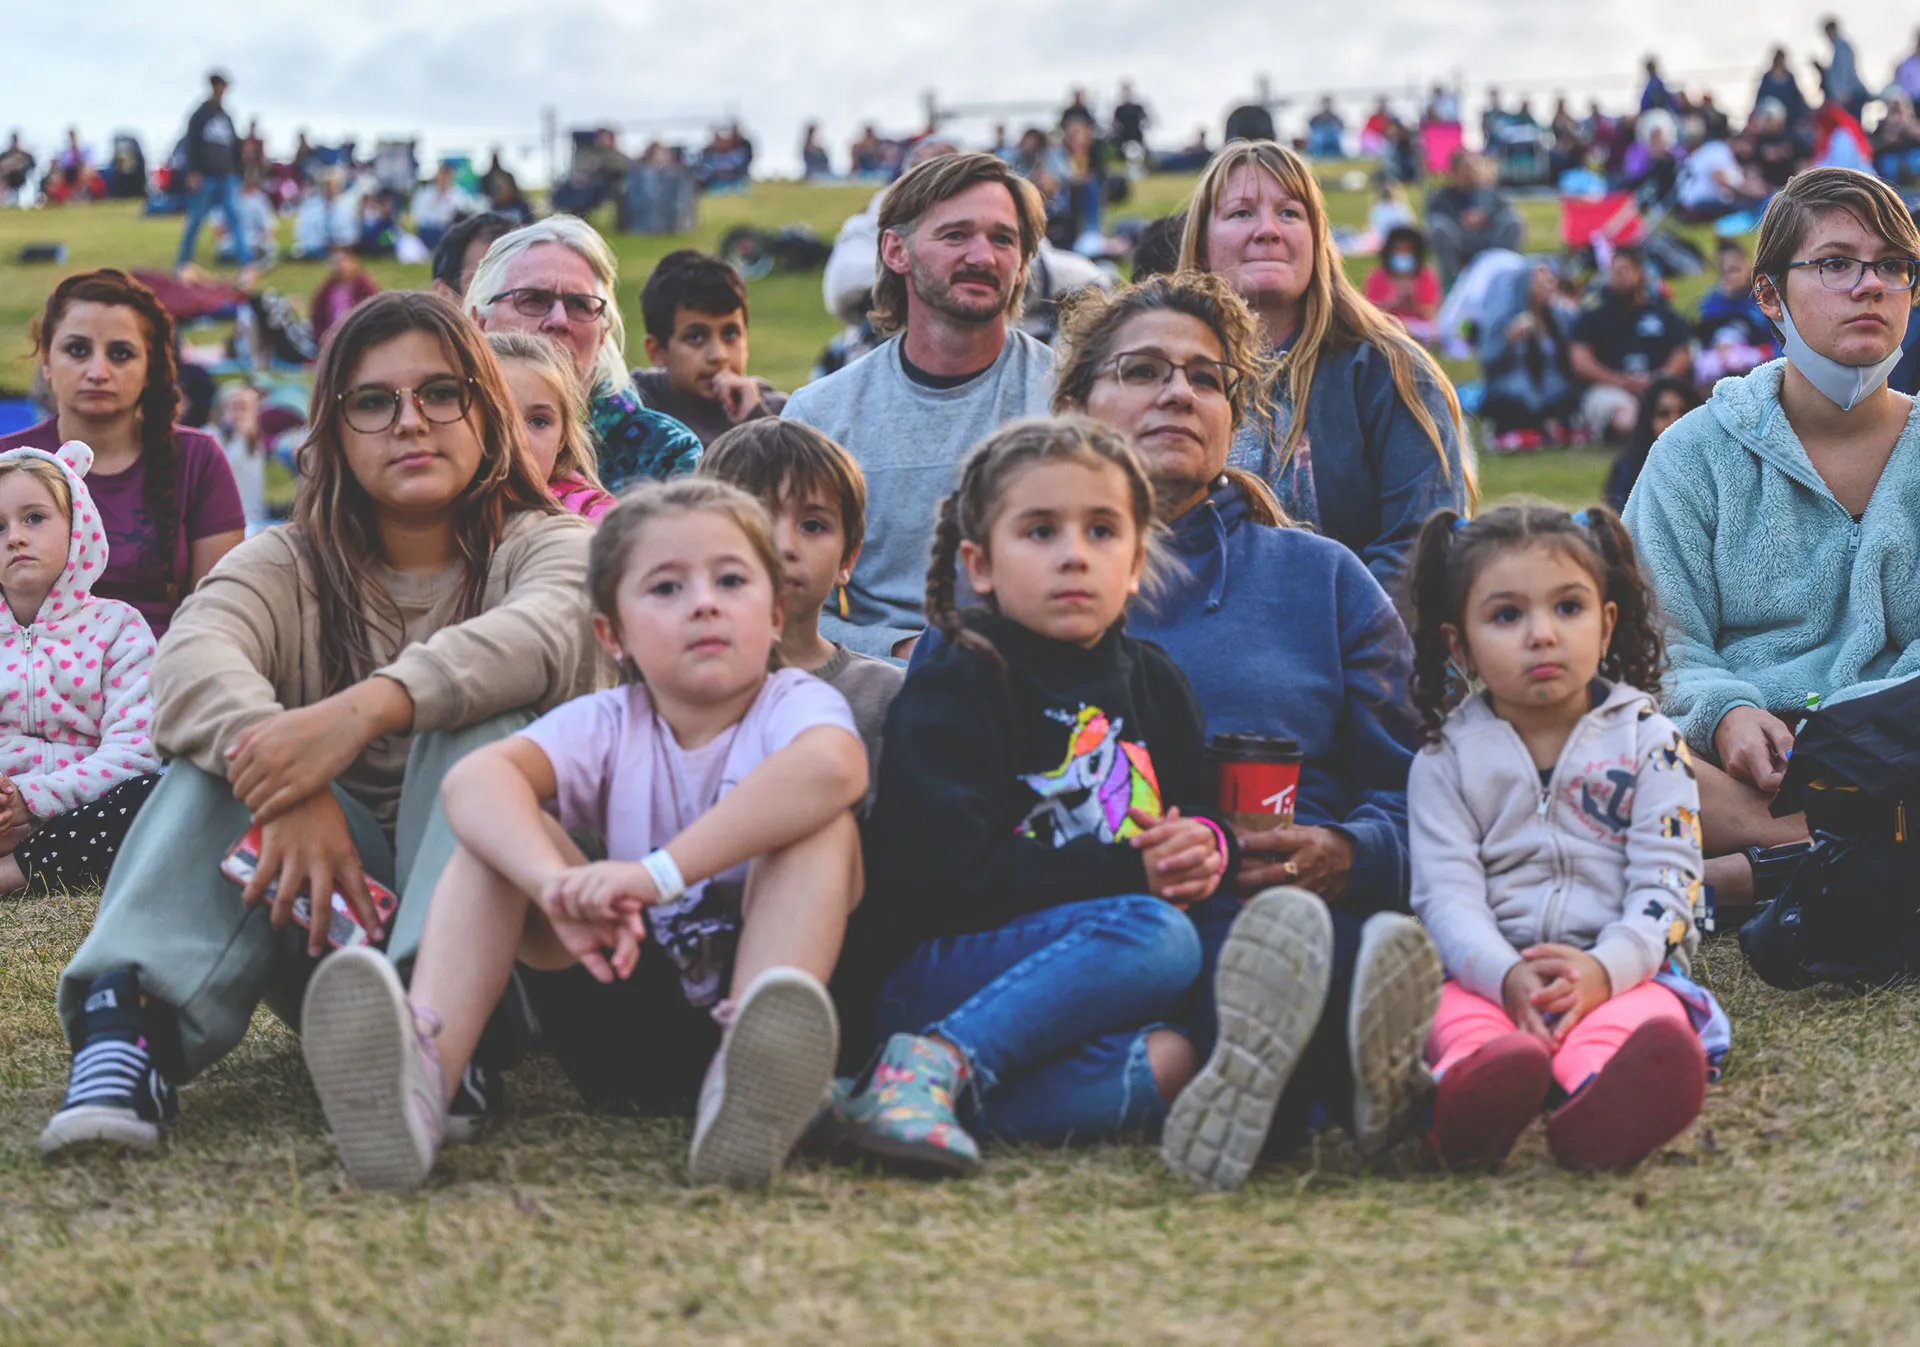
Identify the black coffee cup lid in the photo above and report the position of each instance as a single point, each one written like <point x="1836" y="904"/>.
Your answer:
<point x="1240" y="747"/>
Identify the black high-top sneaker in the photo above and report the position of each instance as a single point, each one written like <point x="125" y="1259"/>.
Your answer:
<point x="115" y="1096"/>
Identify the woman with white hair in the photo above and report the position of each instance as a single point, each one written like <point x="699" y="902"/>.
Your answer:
<point x="557" y="277"/>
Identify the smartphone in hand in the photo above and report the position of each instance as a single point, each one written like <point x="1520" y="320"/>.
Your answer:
<point x="343" y="927"/>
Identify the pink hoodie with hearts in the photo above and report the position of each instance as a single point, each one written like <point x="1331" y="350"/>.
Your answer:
<point x="75" y="716"/>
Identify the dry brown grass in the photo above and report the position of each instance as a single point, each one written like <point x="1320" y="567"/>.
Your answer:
<point x="1782" y="1218"/>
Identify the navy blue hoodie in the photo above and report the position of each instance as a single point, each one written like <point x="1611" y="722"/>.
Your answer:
<point x="1285" y="633"/>
<point x="1364" y="473"/>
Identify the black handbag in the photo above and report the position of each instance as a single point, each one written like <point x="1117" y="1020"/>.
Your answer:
<point x="1850" y="912"/>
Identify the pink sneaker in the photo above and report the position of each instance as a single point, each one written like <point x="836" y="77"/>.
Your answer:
<point x="1485" y="1101"/>
<point x="374" y="1064"/>
<point x="1646" y="1096"/>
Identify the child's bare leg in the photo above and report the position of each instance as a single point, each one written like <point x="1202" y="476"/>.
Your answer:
<point x="476" y="926"/>
<point x="1174" y="1062"/>
<point x="11" y="877"/>
<point x="794" y="912"/>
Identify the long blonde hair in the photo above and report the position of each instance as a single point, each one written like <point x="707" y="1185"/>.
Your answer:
<point x="1333" y="315"/>
<point x="576" y="458"/>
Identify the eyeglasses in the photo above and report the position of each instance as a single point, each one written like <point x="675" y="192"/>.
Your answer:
<point x="1147" y="369"/>
<point x="1844" y="273"/>
<point x="371" y="409"/>
<point x="529" y="302"/>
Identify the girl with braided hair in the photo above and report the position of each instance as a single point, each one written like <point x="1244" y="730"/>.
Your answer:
<point x="167" y="498"/>
<point x="1038" y="830"/>
<point x="1555" y="827"/>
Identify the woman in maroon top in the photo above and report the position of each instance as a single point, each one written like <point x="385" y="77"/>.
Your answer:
<point x="166" y="495"/>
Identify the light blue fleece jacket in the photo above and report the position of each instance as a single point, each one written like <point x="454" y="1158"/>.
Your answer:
<point x="1770" y="589"/>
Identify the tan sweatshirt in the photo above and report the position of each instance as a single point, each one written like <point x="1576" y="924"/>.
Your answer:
<point x="246" y="644"/>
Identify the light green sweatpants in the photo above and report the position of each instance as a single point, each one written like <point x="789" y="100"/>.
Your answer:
<point x="171" y="914"/>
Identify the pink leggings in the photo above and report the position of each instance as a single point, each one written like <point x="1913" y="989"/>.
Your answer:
<point x="1465" y="1023"/>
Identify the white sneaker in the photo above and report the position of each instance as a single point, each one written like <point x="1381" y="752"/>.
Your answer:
<point x="1270" y="990"/>
<point x="766" y="1082"/>
<point x="1396" y="990"/>
<point x="377" y="1074"/>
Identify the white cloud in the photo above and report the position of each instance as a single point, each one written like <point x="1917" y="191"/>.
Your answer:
<point x="466" y="75"/>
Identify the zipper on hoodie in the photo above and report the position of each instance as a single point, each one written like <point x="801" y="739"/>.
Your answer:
<point x="33" y="695"/>
<point x="1556" y="896"/>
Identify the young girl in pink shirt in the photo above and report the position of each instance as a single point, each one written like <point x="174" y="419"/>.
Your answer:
<point x="694" y="958"/>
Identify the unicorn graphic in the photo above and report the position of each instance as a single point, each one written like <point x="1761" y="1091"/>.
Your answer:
<point x="1101" y="778"/>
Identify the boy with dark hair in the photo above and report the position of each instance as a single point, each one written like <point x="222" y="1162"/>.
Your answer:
<point x="457" y="256"/>
<point x="695" y="311"/>
<point x="818" y="499"/>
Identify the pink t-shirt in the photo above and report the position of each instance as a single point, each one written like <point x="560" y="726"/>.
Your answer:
<point x="618" y="771"/>
<point x="581" y="498"/>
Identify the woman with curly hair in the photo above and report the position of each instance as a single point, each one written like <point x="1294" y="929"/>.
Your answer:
<point x="166" y="497"/>
<point x="1285" y="635"/>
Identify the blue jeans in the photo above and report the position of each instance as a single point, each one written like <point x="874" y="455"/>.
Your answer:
<point x="1052" y="1011"/>
<point x="223" y="191"/>
<point x="1321" y="1088"/>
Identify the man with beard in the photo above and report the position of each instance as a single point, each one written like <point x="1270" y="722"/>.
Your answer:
<point x="957" y="235"/>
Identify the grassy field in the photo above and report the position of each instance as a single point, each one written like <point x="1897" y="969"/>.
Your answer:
<point x="790" y="325"/>
<point x="1778" y="1219"/>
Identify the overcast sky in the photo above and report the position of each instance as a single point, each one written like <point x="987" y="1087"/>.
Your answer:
<point x="467" y="76"/>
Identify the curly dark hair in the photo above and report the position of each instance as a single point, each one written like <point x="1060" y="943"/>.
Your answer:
<point x="159" y="399"/>
<point x="1452" y="550"/>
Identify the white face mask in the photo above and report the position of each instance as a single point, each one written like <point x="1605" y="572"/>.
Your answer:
<point x="1844" y="385"/>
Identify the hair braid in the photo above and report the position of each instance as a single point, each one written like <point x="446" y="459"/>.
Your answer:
<point x="1435" y="686"/>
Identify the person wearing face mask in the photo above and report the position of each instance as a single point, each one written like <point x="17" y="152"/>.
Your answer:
<point x="1781" y="522"/>
<point x="1404" y="285"/>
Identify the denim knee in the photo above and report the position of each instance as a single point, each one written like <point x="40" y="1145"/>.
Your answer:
<point x="1167" y="939"/>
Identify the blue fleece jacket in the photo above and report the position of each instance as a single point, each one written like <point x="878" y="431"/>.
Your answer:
<point x="1364" y="473"/>
<point x="1285" y="633"/>
<point x="1771" y="590"/>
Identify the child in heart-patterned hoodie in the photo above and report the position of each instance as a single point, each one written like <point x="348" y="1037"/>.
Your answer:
<point x="76" y="750"/>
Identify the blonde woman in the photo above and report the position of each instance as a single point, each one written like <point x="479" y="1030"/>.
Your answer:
<point x="1362" y="437"/>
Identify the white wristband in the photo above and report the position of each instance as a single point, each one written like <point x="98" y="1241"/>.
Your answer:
<point x="667" y="879"/>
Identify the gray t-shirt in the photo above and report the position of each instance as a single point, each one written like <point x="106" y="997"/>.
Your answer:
<point x="910" y="440"/>
<point x="868" y="684"/>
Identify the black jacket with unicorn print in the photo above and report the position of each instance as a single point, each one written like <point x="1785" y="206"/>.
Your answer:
<point x="1007" y="792"/>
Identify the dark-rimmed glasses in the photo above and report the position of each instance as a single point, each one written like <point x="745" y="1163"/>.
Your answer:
<point x="370" y="408"/>
<point x="1150" y="369"/>
<point x="1844" y="273"/>
<point x="533" y="302"/>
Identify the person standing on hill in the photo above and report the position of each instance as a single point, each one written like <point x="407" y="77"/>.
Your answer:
<point x="957" y="236"/>
<point x="213" y="173"/>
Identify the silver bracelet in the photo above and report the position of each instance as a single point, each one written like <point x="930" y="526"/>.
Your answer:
<point x="667" y="879"/>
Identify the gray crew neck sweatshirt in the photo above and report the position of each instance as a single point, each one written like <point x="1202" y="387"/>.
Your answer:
<point x="909" y="440"/>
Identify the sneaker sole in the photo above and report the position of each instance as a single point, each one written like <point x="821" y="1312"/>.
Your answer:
<point x="1396" y="990"/>
<point x="1646" y="1096"/>
<point x="97" y="1125"/>
<point x="355" y="1032"/>
<point x="1270" y="990"/>
<point x="778" y="1065"/>
<point x="1487" y="1100"/>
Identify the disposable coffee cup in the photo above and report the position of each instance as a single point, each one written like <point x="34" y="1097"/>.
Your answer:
<point x="1258" y="780"/>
